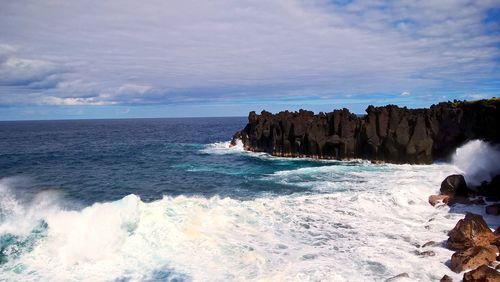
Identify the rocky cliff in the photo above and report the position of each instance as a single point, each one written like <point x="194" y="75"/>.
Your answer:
<point x="390" y="133"/>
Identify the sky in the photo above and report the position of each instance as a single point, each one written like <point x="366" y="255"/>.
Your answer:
<point x="183" y="58"/>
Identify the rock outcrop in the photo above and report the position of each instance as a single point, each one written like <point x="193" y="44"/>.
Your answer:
<point x="473" y="257"/>
<point x="491" y="189"/>
<point x="390" y="133"/>
<point x="446" y="278"/>
<point x="436" y="200"/>
<point x="454" y="185"/>
<point x="469" y="232"/>
<point x="482" y="274"/>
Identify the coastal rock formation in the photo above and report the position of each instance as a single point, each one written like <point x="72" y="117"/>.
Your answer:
<point x="446" y="278"/>
<point x="390" y="133"/>
<point x="491" y="189"/>
<point x="454" y="185"/>
<point x="435" y="200"/>
<point x="470" y="231"/>
<point x="482" y="274"/>
<point x="473" y="257"/>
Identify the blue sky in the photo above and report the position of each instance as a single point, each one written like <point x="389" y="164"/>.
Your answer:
<point x="124" y="59"/>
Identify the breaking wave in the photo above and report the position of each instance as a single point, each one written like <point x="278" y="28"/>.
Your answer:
<point x="370" y="231"/>
<point x="478" y="161"/>
<point x="359" y="222"/>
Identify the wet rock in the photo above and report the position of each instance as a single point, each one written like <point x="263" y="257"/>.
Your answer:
<point x="496" y="241"/>
<point x="465" y="201"/>
<point x="426" y="253"/>
<point x="478" y="201"/>
<point x="439" y="199"/>
<point x="468" y="232"/>
<point x="493" y="209"/>
<point x="491" y="189"/>
<point x="482" y="274"/>
<point x="454" y="185"/>
<point x="472" y="258"/>
<point x="446" y="278"/>
<point x="395" y="278"/>
<point x="429" y="244"/>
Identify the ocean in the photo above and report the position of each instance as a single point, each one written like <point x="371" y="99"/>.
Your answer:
<point x="169" y="200"/>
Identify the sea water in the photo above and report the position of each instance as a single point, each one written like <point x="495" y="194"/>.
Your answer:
<point x="170" y="200"/>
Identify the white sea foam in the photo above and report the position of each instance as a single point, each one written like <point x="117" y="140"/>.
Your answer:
<point x="224" y="148"/>
<point x="364" y="225"/>
<point x="478" y="160"/>
<point x="367" y="233"/>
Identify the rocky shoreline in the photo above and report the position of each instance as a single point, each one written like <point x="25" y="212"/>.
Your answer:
<point x="389" y="134"/>
<point x="400" y="135"/>
<point x="476" y="246"/>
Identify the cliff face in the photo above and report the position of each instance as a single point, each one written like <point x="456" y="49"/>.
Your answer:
<point x="390" y="133"/>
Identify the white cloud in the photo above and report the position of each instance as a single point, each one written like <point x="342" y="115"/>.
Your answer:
<point x="50" y="100"/>
<point x="30" y="73"/>
<point x="405" y="94"/>
<point x="163" y="51"/>
<point x="476" y="96"/>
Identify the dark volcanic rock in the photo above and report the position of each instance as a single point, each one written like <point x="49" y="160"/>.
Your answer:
<point x="454" y="185"/>
<point x="470" y="231"/>
<point x="491" y="189"/>
<point x="390" y="133"/>
<point x="482" y="274"/>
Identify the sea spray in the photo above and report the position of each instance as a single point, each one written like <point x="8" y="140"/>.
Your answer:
<point x="478" y="160"/>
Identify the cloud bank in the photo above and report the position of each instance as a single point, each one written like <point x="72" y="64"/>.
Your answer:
<point x="168" y="52"/>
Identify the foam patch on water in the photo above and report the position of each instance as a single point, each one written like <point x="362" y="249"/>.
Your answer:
<point x="478" y="161"/>
<point x="224" y="148"/>
<point x="368" y="231"/>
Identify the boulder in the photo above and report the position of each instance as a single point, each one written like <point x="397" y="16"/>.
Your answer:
<point x="426" y="253"/>
<point x="468" y="232"/>
<point x="429" y="244"/>
<point x="493" y="209"/>
<point x="472" y="258"/>
<point x="446" y="278"/>
<point x="454" y="185"/>
<point x="482" y="274"/>
<point x="439" y="199"/>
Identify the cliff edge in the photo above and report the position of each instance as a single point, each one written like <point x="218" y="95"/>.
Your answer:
<point x="390" y="133"/>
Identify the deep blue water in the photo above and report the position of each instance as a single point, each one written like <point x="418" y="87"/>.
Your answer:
<point x="104" y="160"/>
